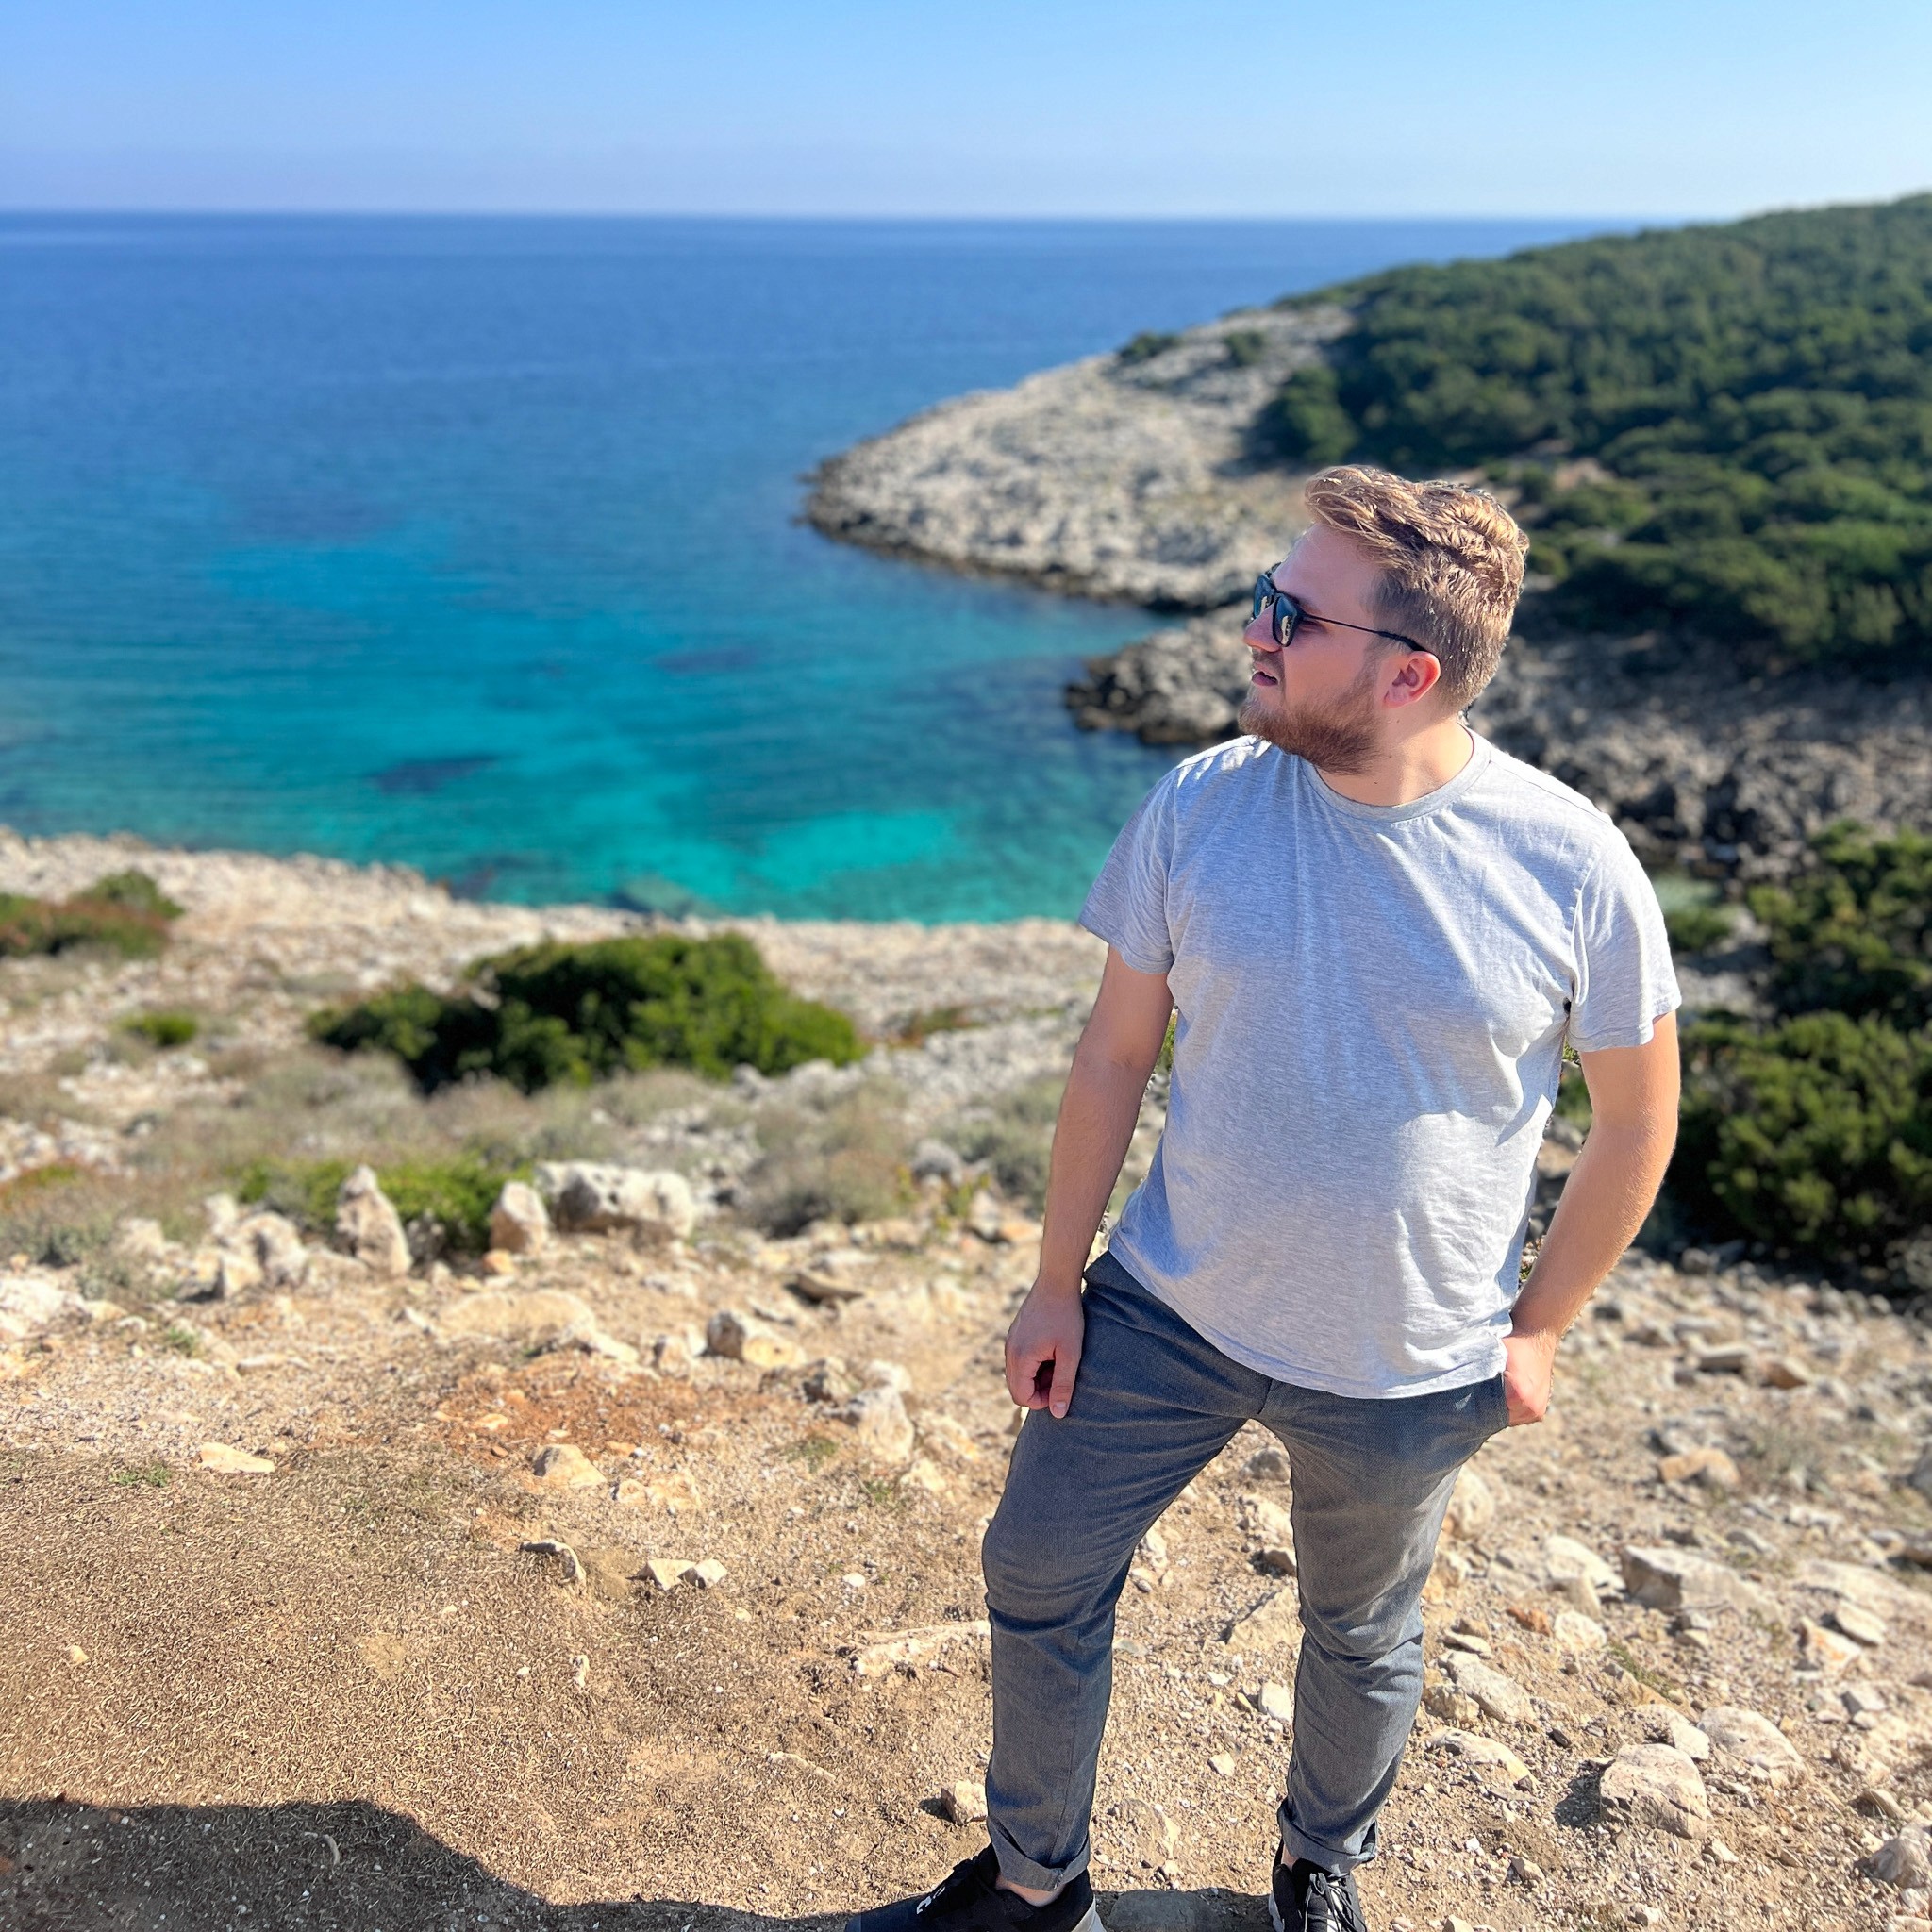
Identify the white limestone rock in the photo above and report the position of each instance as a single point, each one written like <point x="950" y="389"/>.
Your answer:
<point x="1655" y="1786"/>
<point x="590" y="1197"/>
<point x="368" y="1225"/>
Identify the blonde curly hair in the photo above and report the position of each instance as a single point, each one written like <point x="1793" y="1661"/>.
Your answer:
<point x="1451" y="560"/>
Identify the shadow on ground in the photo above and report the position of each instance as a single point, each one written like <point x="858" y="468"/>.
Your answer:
<point x="355" y="1867"/>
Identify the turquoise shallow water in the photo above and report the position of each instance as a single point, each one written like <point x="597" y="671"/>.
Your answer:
<point x="472" y="545"/>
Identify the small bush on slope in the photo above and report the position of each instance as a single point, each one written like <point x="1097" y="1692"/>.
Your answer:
<point x="1853" y="933"/>
<point x="1814" y="1136"/>
<point x="126" y="912"/>
<point x="457" y="1193"/>
<point x="557" y="1012"/>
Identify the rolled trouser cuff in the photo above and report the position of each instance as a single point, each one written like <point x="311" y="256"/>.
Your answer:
<point x="1297" y="1844"/>
<point x="1016" y="1868"/>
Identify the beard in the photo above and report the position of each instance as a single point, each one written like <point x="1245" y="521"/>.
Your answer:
<point x="1336" y="737"/>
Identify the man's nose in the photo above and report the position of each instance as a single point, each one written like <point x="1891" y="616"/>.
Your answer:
<point x="1259" y="634"/>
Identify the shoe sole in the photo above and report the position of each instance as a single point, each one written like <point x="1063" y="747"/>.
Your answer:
<point x="1274" y="1911"/>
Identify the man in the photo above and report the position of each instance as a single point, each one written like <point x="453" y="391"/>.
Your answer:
<point x="1376" y="933"/>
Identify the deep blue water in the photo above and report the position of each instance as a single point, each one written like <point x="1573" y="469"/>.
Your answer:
<point x="472" y="545"/>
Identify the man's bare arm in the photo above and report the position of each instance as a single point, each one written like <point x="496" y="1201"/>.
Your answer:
<point x="1633" y="1102"/>
<point x="1098" y="1113"/>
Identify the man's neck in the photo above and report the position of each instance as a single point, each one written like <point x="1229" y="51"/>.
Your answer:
<point x="1410" y="770"/>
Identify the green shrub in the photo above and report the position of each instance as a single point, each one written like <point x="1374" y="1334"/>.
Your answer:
<point x="156" y="1475"/>
<point x="58" y="1215"/>
<point x="1814" y="1136"/>
<point x="126" y="913"/>
<point x="457" y="1193"/>
<point x="1697" y="929"/>
<point x="163" y="1030"/>
<point x="1305" y="424"/>
<point x="133" y="891"/>
<point x="1245" y="346"/>
<point x="1853" y="934"/>
<point x="557" y="1012"/>
<point x="1145" y="346"/>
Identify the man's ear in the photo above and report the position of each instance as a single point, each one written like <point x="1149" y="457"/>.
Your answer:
<point x="1416" y="674"/>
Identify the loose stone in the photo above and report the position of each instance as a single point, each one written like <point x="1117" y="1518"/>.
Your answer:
<point x="964" y="1801"/>
<point x="745" y="1339"/>
<point x="1859" y="1625"/>
<point x="880" y="1425"/>
<point x="519" y="1222"/>
<point x="564" y="1466"/>
<point x="1579" y="1634"/>
<point x="1904" y="1861"/>
<point x="1656" y="1786"/>
<point x="1745" y="1739"/>
<point x="1474" y="1748"/>
<point x="586" y="1196"/>
<point x="1498" y="1697"/>
<point x="1711" y="1467"/>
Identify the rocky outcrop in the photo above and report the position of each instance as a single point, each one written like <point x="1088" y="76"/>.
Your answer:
<point x="1707" y="762"/>
<point x="368" y="1226"/>
<point x="1120" y="476"/>
<point x="586" y="1196"/>
<point x="1141" y="477"/>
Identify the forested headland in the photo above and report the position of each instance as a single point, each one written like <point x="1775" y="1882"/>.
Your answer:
<point x="1728" y="426"/>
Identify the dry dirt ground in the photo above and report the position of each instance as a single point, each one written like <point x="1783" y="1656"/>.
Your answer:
<point x="344" y="1691"/>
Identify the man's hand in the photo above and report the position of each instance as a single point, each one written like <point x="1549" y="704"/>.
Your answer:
<point x="1528" y="1368"/>
<point x="1043" y="1348"/>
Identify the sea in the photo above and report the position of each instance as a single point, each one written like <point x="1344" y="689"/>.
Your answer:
<point x="473" y="544"/>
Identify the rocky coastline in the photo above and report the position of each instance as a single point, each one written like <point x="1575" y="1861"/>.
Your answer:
<point x="1708" y="766"/>
<point x="1136" y="477"/>
<point x="1129" y="476"/>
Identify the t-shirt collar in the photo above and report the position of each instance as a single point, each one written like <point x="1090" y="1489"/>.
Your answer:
<point x="1430" y="802"/>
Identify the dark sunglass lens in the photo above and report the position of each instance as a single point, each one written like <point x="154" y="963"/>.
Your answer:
<point x="1286" y="617"/>
<point x="1263" y="591"/>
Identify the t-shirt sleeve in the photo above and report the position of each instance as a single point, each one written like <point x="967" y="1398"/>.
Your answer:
<point x="1127" y="905"/>
<point x="1624" y="980"/>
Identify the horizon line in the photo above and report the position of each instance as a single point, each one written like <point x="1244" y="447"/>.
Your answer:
<point x="245" y="212"/>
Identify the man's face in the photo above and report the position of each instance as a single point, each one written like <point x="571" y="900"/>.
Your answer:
<point x="1320" y="698"/>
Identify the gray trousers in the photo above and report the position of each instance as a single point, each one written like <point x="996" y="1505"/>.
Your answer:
<point x="1153" y="1404"/>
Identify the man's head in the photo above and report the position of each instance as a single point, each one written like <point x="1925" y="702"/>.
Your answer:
<point x="1434" y="563"/>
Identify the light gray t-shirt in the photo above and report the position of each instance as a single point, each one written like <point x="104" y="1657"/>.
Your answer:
<point x="1371" y="1003"/>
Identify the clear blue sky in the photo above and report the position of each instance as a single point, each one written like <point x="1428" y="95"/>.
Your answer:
<point x="971" y="107"/>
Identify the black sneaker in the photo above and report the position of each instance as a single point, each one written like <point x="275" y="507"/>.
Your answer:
<point x="1304" y="1898"/>
<point x="972" y="1900"/>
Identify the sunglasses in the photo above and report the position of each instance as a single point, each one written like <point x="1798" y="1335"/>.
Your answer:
<point x="1287" y="616"/>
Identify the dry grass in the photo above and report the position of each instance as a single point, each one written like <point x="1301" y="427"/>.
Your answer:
<point x="1015" y="1138"/>
<point x="846" y="1160"/>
